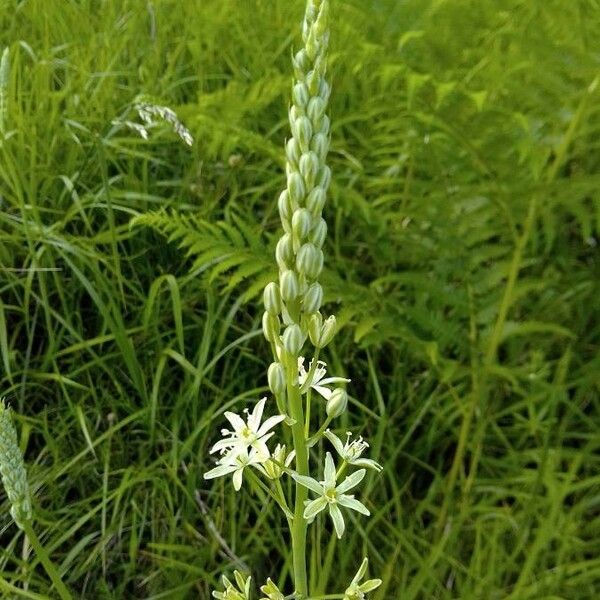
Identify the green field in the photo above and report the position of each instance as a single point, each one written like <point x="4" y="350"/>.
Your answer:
<point x="462" y="261"/>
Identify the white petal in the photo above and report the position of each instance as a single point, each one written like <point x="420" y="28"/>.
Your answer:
<point x="236" y="421"/>
<point x="269" y="424"/>
<point x="329" y="380"/>
<point x="335" y="440"/>
<point x="220" y="471"/>
<point x="353" y="504"/>
<point x="351" y="481"/>
<point x="329" y="474"/>
<point x="257" y="413"/>
<point x="338" y="519"/>
<point x="368" y="463"/>
<point x="314" y="507"/>
<point x="308" y="482"/>
<point x="325" y="392"/>
<point x="224" y="444"/>
<point x="237" y="479"/>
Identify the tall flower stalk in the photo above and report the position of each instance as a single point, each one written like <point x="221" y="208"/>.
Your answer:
<point x="291" y="323"/>
<point x="14" y="479"/>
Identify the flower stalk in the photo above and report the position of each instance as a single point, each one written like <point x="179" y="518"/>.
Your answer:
<point x="293" y="319"/>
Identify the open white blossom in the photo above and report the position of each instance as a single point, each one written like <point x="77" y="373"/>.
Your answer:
<point x="247" y="434"/>
<point x="236" y="463"/>
<point x="332" y="495"/>
<point x="318" y="381"/>
<point x="351" y="452"/>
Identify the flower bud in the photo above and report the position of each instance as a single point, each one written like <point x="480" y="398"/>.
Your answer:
<point x="320" y="145"/>
<point x="324" y="90"/>
<point x="321" y="333"/>
<point x="324" y="124"/>
<point x="337" y="403"/>
<point x="271" y="326"/>
<point x="303" y="132"/>
<point x="313" y="80"/>
<point x="301" y="223"/>
<point x="319" y="233"/>
<point x="324" y="178"/>
<point x="300" y="95"/>
<point x="301" y="61"/>
<point x="293" y="339"/>
<point x="274" y="469"/>
<point x="292" y="152"/>
<point x="315" y="324"/>
<point x="312" y="298"/>
<point x="272" y="298"/>
<point x="315" y="201"/>
<point x="284" y="252"/>
<point x="293" y="114"/>
<point x="309" y="168"/>
<point x="288" y="283"/>
<point x="316" y="108"/>
<point x="309" y="260"/>
<point x="296" y="188"/>
<point x="276" y="377"/>
<point x="285" y="206"/>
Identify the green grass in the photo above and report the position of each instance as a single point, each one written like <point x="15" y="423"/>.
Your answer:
<point x="462" y="258"/>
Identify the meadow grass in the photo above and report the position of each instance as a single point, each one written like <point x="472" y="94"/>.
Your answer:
<point x="462" y="262"/>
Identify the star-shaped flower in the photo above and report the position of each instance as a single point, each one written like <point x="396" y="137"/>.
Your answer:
<point x="236" y="463"/>
<point x="318" y="381"/>
<point x="247" y="434"/>
<point x="332" y="495"/>
<point x="351" y="452"/>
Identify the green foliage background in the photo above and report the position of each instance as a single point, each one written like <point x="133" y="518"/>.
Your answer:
<point x="462" y="259"/>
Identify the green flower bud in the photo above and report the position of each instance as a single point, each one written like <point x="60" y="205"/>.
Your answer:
<point x="309" y="168"/>
<point x="320" y="145"/>
<point x="319" y="232"/>
<point x="303" y="132"/>
<point x="301" y="224"/>
<point x="321" y="335"/>
<point x="313" y="298"/>
<point x="324" y="125"/>
<point x="292" y="151"/>
<point x="316" y="108"/>
<point x="293" y="339"/>
<point x="309" y="260"/>
<point x="285" y="207"/>
<point x="272" y="298"/>
<point x="301" y="62"/>
<point x="315" y="201"/>
<point x="324" y="178"/>
<point x="276" y="377"/>
<point x="337" y="403"/>
<point x="284" y="252"/>
<point x="313" y="79"/>
<point x="324" y="90"/>
<point x="271" y="326"/>
<point x="300" y="95"/>
<point x="293" y="114"/>
<point x="296" y="189"/>
<point x="288" y="283"/>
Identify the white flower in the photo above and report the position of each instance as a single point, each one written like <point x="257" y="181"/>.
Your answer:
<point x="332" y="496"/>
<point x="318" y="381"/>
<point x="351" y="451"/>
<point x="358" y="592"/>
<point x="247" y="434"/>
<point x="236" y="463"/>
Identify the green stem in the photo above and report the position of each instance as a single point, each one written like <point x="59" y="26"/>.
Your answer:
<point x="299" y="524"/>
<point x="48" y="565"/>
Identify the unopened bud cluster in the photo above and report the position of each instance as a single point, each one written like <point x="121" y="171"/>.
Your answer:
<point x="292" y="305"/>
<point x="12" y="469"/>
